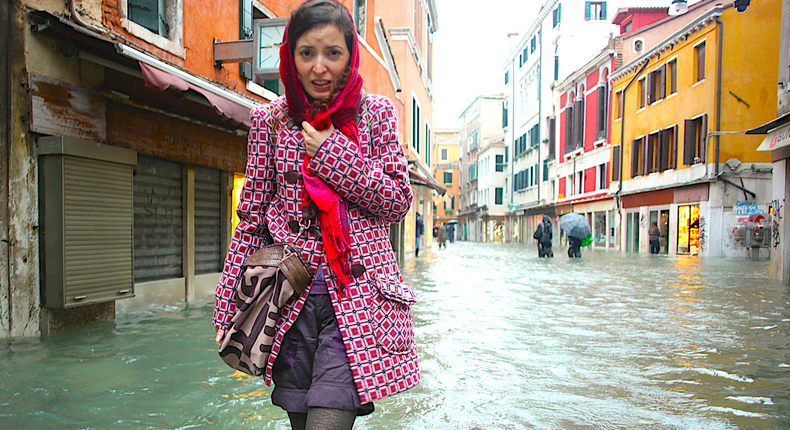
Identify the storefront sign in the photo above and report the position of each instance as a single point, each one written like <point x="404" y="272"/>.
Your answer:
<point x="776" y="139"/>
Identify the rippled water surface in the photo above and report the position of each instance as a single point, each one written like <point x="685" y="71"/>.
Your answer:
<point x="507" y="341"/>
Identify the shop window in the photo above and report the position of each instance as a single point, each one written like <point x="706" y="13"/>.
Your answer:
<point x="688" y="229"/>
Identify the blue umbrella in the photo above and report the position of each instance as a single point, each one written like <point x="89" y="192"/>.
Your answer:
<point x="575" y="225"/>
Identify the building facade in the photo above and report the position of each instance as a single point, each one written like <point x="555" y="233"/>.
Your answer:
<point x="446" y="171"/>
<point x="680" y="157"/>
<point x="127" y="138"/>
<point x="481" y="126"/>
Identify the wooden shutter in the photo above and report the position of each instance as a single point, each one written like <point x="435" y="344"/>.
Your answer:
<point x="645" y="166"/>
<point x="603" y="11"/>
<point x="703" y="134"/>
<point x="689" y="141"/>
<point x="651" y="88"/>
<point x="568" y="130"/>
<point x="663" y="150"/>
<point x="616" y="163"/>
<point x="587" y="10"/>
<point x="650" y="166"/>
<point x="700" y="62"/>
<point x="673" y="153"/>
<point x="552" y="137"/>
<point x="601" y="108"/>
<point x="662" y="82"/>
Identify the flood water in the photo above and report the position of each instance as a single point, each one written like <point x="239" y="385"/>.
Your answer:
<point x="506" y="341"/>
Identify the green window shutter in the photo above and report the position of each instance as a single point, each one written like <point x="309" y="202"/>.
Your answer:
<point x="145" y="13"/>
<point x="587" y="11"/>
<point x="245" y="32"/>
<point x="603" y="11"/>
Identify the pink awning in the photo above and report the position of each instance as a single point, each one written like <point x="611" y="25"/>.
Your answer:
<point x="160" y="80"/>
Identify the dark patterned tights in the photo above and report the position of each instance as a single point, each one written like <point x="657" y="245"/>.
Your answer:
<point x="323" y="419"/>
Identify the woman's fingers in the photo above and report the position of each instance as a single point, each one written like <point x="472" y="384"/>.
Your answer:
<point x="220" y="335"/>
<point x="313" y="139"/>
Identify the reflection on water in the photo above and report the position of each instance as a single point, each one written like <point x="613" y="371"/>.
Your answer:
<point x="506" y="341"/>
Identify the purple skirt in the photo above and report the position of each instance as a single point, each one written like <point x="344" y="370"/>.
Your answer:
<point x="312" y="368"/>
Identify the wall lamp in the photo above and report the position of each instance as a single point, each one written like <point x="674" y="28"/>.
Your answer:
<point x="678" y="7"/>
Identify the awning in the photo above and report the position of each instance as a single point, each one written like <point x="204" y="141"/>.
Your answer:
<point x="777" y="133"/>
<point x="420" y="179"/>
<point x="160" y="76"/>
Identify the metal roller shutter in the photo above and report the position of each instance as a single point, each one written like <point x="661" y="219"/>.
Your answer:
<point x="208" y="220"/>
<point x="158" y="223"/>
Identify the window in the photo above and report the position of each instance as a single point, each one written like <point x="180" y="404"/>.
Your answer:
<point x="618" y="105"/>
<point x="673" y="76"/>
<point x="616" y="163"/>
<point x="552" y="137"/>
<point x="498" y="195"/>
<point x="555" y="15"/>
<point x="500" y="163"/>
<point x="448" y="177"/>
<point x="415" y="124"/>
<point x="504" y="114"/>
<point x="533" y="44"/>
<point x="642" y="93"/>
<point x="652" y="154"/>
<point x="628" y="27"/>
<point x="507" y="77"/>
<point x="580" y="182"/>
<point x="602" y="175"/>
<point x="546" y="169"/>
<point x="149" y="14"/>
<point x="595" y="11"/>
<point x="602" y="107"/>
<point x="694" y="133"/>
<point x="699" y="54"/>
<point x="556" y="67"/>
<point x="452" y="202"/>
<point x="360" y="16"/>
<point x="657" y="84"/>
<point x="668" y="149"/>
<point x="444" y="154"/>
<point x="427" y="144"/>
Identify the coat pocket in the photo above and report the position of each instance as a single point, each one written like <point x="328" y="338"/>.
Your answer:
<point x="391" y="314"/>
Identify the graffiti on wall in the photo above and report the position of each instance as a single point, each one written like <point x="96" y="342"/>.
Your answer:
<point x="776" y="211"/>
<point x="702" y="236"/>
<point x="747" y="208"/>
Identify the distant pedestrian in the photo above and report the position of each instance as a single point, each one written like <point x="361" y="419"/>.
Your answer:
<point x="543" y="235"/>
<point x="418" y="229"/>
<point x="443" y="236"/>
<point x="655" y="238"/>
<point x="436" y="232"/>
<point x="451" y="232"/>
<point x="575" y="249"/>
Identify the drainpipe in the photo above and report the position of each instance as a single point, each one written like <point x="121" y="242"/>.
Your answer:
<point x="540" y="106"/>
<point x="622" y="137"/>
<point x="82" y="21"/>
<point x="718" y="95"/>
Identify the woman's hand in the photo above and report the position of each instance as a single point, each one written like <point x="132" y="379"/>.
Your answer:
<point x="313" y="139"/>
<point x="220" y="334"/>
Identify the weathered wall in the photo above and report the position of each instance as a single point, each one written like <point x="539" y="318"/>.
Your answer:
<point x="5" y="116"/>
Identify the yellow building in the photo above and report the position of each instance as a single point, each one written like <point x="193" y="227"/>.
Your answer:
<point x="446" y="171"/>
<point x="679" y="113"/>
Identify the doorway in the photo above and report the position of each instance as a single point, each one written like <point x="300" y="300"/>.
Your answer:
<point x="688" y="229"/>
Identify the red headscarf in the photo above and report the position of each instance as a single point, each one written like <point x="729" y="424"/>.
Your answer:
<point x="341" y="111"/>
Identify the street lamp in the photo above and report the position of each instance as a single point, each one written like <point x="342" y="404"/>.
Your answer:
<point x="678" y="7"/>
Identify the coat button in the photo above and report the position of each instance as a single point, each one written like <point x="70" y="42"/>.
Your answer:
<point x="293" y="225"/>
<point x="357" y="270"/>
<point x="292" y="176"/>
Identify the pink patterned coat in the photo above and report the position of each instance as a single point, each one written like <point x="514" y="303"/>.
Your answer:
<point x="373" y="313"/>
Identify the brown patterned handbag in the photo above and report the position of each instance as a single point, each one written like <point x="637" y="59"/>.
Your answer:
<point x="269" y="277"/>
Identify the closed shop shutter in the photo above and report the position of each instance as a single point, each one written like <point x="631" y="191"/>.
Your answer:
<point x="158" y="231"/>
<point x="208" y="220"/>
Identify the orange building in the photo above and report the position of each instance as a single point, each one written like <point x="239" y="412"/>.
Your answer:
<point x="446" y="171"/>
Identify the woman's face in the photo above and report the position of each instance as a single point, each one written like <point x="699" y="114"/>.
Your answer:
<point x="321" y="57"/>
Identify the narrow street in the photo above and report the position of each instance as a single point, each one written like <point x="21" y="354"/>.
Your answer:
<point x="507" y="341"/>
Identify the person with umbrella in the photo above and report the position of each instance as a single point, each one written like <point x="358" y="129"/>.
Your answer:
<point x="579" y="233"/>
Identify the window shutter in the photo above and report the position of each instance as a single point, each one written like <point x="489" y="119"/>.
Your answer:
<point x="616" y="163"/>
<point x="568" y="129"/>
<point x="645" y="144"/>
<point x="701" y="62"/>
<point x="650" y="154"/>
<point x="663" y="150"/>
<point x="650" y="88"/>
<point x="662" y="92"/>
<point x="586" y="11"/>
<point x="703" y="150"/>
<point x="552" y="137"/>
<point x="245" y="32"/>
<point x="673" y="154"/>
<point x="689" y="141"/>
<point x="635" y="158"/>
<point x="601" y="109"/>
<point x="603" y="10"/>
<point x="145" y="13"/>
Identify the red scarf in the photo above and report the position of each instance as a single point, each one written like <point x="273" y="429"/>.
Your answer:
<point x="340" y="111"/>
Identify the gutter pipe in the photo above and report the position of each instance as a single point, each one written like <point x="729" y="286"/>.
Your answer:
<point x="718" y="95"/>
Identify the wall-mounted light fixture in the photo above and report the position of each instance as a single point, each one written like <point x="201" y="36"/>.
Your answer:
<point x="678" y="7"/>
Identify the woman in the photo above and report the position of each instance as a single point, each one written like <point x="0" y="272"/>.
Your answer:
<point x="655" y="238"/>
<point x="326" y="172"/>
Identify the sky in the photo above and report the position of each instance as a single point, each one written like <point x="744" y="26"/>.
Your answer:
<point x="470" y="49"/>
